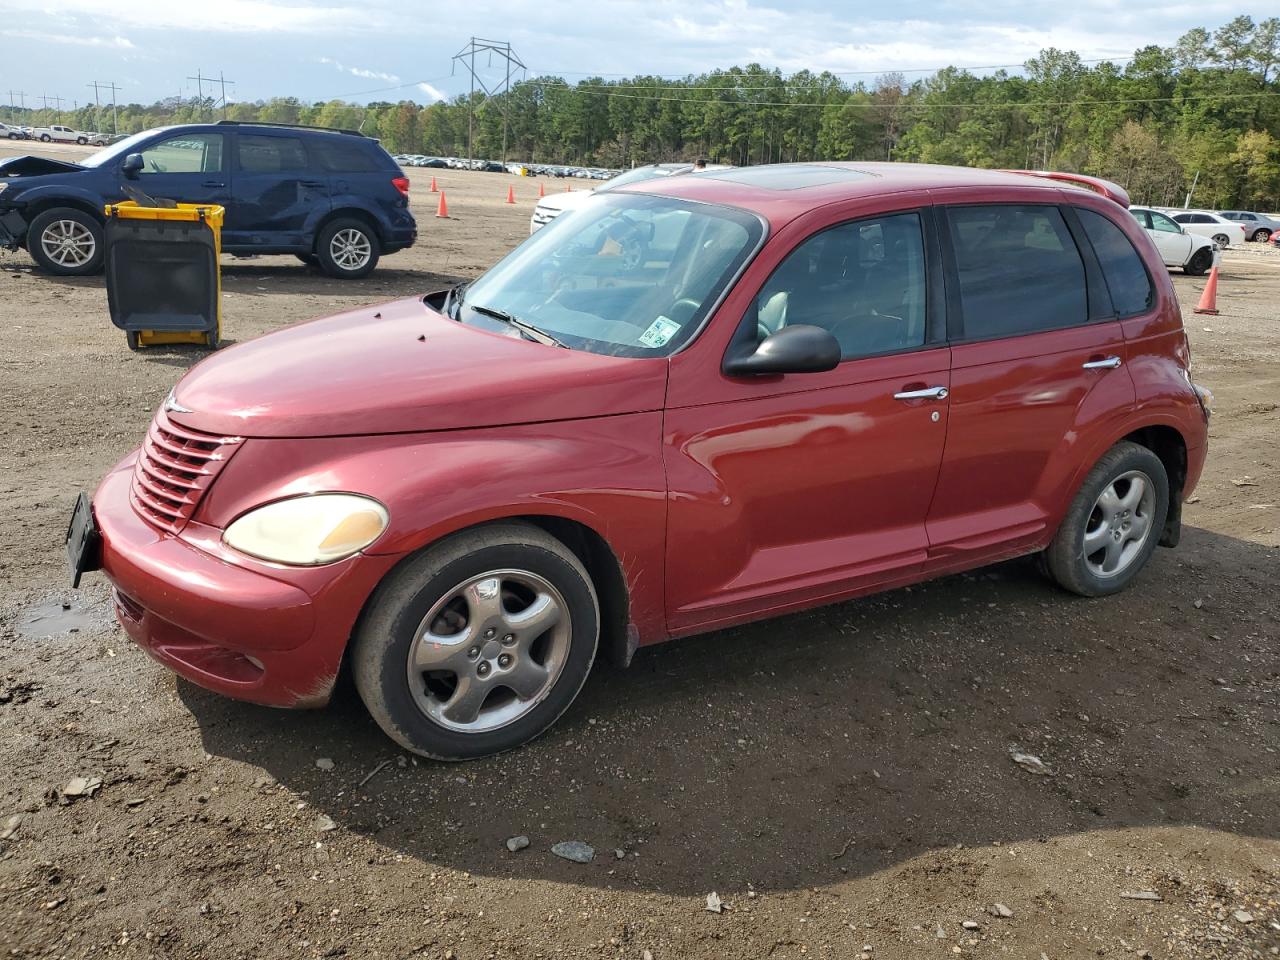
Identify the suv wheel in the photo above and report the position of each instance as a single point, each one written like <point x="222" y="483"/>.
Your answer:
<point x="1113" y="524"/>
<point x="1200" y="261"/>
<point x="66" y="242"/>
<point x="347" y="248"/>
<point x="479" y="643"/>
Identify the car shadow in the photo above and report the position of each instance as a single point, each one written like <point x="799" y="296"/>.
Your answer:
<point x="844" y="740"/>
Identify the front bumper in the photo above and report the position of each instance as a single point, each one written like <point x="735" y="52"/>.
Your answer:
<point x="264" y="633"/>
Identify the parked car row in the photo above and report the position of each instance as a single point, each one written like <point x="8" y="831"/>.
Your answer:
<point x="494" y="166"/>
<point x="1225" y="227"/>
<point x="59" y="134"/>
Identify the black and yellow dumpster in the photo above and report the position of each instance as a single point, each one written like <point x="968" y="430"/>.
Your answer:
<point x="163" y="281"/>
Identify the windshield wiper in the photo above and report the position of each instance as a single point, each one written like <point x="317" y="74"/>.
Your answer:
<point x="533" y="333"/>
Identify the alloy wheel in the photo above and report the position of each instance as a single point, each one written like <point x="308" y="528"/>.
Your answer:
<point x="68" y="243"/>
<point x="350" y="249"/>
<point x="1119" y="524"/>
<point x="489" y="651"/>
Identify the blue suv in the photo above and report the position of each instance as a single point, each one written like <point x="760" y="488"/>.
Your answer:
<point x="334" y="198"/>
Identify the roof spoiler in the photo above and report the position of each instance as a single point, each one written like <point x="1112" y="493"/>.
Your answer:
<point x="1105" y="188"/>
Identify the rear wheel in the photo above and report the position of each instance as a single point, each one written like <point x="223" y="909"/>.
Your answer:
<point x="45" y="138"/>
<point x="1260" y="235"/>
<point x="66" y="242"/>
<point x="479" y="643"/>
<point x="1200" y="261"/>
<point x="1113" y="524"/>
<point x="1222" y="240"/>
<point x="347" y="248"/>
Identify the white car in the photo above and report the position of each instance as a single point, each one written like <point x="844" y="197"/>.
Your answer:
<point x="1220" y="230"/>
<point x="10" y="132"/>
<point x="1176" y="246"/>
<point x="60" y="134"/>
<point x="554" y="204"/>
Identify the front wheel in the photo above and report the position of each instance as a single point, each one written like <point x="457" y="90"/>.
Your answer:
<point x="1113" y="524"/>
<point x="347" y="248"/>
<point x="1200" y="262"/>
<point x="66" y="242"/>
<point x="479" y="643"/>
<point x="82" y="140"/>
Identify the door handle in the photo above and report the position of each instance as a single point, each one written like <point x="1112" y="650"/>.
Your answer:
<point x="313" y="183"/>
<point x="928" y="393"/>
<point x="1106" y="363"/>
<point x="213" y="183"/>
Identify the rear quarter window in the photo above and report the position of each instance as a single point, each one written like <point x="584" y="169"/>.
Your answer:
<point x="345" y="155"/>
<point x="1018" y="270"/>
<point x="1127" y="279"/>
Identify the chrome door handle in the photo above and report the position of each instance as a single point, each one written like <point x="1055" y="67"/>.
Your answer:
<point x="928" y="393"/>
<point x="1108" y="363"/>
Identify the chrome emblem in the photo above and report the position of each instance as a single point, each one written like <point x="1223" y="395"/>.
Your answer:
<point x="173" y="406"/>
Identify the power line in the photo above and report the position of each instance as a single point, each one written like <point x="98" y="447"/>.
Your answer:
<point x="97" y="85"/>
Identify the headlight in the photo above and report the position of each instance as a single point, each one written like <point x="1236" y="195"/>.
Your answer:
<point x="3" y="184"/>
<point x="309" y="530"/>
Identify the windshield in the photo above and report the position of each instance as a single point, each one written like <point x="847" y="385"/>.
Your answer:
<point x="121" y="149"/>
<point x="627" y="275"/>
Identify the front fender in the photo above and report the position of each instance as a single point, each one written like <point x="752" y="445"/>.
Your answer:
<point x="604" y="473"/>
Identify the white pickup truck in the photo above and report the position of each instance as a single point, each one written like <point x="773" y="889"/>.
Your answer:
<point x="60" y="134"/>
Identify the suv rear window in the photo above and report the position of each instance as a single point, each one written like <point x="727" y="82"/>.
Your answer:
<point x="1127" y="278"/>
<point x="1019" y="270"/>
<point x="344" y="155"/>
<point x="271" y="154"/>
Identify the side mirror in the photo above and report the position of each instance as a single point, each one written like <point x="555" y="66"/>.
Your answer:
<point x="795" y="349"/>
<point x="133" y="165"/>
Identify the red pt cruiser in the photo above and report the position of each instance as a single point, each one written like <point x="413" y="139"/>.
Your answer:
<point x="690" y="404"/>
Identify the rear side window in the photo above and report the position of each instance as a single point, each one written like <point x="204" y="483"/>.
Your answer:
<point x="344" y="155"/>
<point x="271" y="154"/>
<point x="1127" y="279"/>
<point x="1018" y="269"/>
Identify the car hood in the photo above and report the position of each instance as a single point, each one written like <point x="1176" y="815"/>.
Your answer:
<point x="11" y="167"/>
<point x="399" y="368"/>
<point x="564" y="200"/>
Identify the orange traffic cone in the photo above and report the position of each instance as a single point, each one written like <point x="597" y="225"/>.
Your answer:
<point x="569" y="188"/>
<point x="1209" y="299"/>
<point x="511" y="194"/>
<point x="433" y="185"/>
<point x="542" y="190"/>
<point x="443" y="210"/>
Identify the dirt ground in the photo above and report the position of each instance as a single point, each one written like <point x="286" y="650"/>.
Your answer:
<point x="841" y="779"/>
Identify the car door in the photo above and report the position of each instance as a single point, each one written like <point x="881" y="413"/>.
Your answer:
<point x="277" y="195"/>
<point x="788" y="490"/>
<point x="186" y="167"/>
<point x="1037" y="355"/>
<point x="1174" y="244"/>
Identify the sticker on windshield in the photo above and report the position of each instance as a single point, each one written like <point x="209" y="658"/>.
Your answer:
<point x="659" y="332"/>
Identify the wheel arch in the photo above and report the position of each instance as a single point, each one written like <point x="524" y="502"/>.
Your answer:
<point x="38" y="206"/>
<point x="356" y="213"/>
<point x="1167" y="443"/>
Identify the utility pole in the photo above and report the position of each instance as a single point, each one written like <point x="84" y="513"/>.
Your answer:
<point x="199" y="78"/>
<point x="46" y="98"/>
<point x="22" y="102"/>
<point x="223" y="81"/>
<point x="97" y="85"/>
<point x="467" y="57"/>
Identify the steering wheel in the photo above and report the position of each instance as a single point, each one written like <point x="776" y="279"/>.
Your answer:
<point x="155" y="167"/>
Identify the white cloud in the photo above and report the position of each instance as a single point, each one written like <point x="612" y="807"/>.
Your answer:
<point x="225" y="16"/>
<point x="115" y="43"/>
<point x="361" y="71"/>
<point x="432" y="92"/>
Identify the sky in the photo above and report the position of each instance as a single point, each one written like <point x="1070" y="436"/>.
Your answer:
<point x="390" y="50"/>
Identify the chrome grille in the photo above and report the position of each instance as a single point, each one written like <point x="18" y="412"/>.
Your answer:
<point x="175" y="467"/>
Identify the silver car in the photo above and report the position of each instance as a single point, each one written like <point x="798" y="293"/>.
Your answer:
<point x="1257" y="226"/>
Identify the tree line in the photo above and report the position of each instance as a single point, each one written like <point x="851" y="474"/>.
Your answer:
<point x="1204" y="111"/>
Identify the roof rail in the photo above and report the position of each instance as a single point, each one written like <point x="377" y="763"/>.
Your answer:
<point x="293" y="126"/>
<point x="1105" y="188"/>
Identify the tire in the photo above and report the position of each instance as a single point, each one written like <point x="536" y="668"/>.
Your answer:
<point x="1089" y="521"/>
<point x="1260" y="236"/>
<point x="424" y="710"/>
<point x="364" y="248"/>
<point x="1222" y="240"/>
<point x="45" y="138"/>
<point x="82" y="140"/>
<point x="1199" y="263"/>
<point x="82" y="254"/>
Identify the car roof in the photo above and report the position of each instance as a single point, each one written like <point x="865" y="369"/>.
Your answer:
<point x="781" y="191"/>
